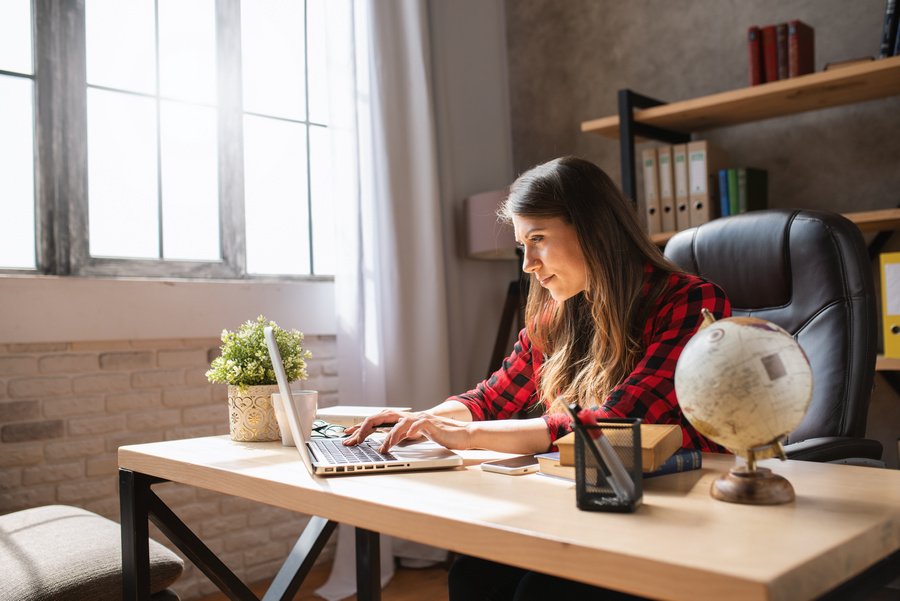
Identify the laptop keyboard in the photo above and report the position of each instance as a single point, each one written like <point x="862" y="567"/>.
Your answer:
<point x="365" y="452"/>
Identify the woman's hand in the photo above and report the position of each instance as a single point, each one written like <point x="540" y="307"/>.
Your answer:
<point x="451" y="433"/>
<point x="359" y="432"/>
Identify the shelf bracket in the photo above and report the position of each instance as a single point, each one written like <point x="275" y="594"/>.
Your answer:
<point x="629" y="129"/>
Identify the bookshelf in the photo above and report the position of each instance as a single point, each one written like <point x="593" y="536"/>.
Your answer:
<point x="845" y="85"/>
<point x="642" y="118"/>
<point x="867" y="221"/>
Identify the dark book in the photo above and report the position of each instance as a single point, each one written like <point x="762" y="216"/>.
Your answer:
<point x="724" y="201"/>
<point x="769" y="53"/>
<point x="889" y="31"/>
<point x="752" y="189"/>
<point x="801" y="49"/>
<point x="781" y="37"/>
<point x="683" y="460"/>
<point x="754" y="51"/>
<point x="897" y="41"/>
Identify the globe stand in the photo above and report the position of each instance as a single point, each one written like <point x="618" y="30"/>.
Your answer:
<point x="752" y="485"/>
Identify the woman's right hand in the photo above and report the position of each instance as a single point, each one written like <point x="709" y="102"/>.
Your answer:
<point x="400" y="421"/>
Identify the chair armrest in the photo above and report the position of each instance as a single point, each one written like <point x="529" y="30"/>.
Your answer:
<point x="834" y="448"/>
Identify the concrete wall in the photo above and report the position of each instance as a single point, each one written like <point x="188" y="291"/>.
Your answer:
<point x="567" y="60"/>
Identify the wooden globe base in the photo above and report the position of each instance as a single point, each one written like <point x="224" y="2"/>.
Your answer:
<point x="752" y="487"/>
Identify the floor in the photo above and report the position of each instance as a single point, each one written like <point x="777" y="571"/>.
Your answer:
<point x="407" y="585"/>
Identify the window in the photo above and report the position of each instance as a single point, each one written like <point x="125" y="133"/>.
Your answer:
<point x="17" y="248"/>
<point x="173" y="137"/>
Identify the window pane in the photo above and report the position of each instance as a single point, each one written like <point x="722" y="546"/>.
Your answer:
<point x="275" y="196"/>
<point x="121" y="44"/>
<point x="16" y="173"/>
<point x="187" y="50"/>
<point x="122" y="177"/>
<point x="272" y="51"/>
<point x="15" y="36"/>
<point x="324" y="232"/>
<point x="189" y="182"/>
<point x="318" y="74"/>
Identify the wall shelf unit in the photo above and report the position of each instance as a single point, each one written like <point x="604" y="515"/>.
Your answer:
<point x="641" y="118"/>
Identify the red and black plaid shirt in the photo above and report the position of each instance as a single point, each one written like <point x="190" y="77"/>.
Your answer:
<point x="648" y="392"/>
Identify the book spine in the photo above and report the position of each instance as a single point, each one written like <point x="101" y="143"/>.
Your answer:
<point x="754" y="51"/>
<point x="889" y="31"/>
<point x="733" y="193"/>
<point x="724" y="201"/>
<point x="781" y="33"/>
<point x="769" y="53"/>
<point x="680" y="175"/>
<point x="897" y="42"/>
<point x="683" y="460"/>
<point x="742" y="189"/>
<point x="666" y="188"/>
<point x="651" y="191"/>
<point x="801" y="49"/>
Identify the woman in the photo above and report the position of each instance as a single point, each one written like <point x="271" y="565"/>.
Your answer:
<point x="606" y="319"/>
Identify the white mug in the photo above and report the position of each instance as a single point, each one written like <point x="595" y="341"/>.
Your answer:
<point x="295" y="422"/>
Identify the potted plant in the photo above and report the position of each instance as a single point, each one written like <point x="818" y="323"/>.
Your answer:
<point x="245" y="366"/>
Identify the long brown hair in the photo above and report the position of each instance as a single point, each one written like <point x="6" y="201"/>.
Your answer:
<point x="593" y="340"/>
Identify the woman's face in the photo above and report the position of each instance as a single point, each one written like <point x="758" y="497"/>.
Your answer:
<point x="552" y="254"/>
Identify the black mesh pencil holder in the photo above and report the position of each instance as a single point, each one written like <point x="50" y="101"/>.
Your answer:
<point x="602" y="487"/>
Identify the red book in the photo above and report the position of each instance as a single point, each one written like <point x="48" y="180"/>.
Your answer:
<point x="769" y="53"/>
<point x="801" y="49"/>
<point x="781" y="35"/>
<point x="754" y="47"/>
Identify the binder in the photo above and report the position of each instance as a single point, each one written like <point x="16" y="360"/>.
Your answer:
<point x="666" y="188"/>
<point x="703" y="172"/>
<point x="651" y="191"/>
<point x="890" y="303"/>
<point x="680" y="175"/>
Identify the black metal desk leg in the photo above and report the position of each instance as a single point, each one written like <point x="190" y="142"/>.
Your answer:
<point x="368" y="565"/>
<point x="133" y="493"/>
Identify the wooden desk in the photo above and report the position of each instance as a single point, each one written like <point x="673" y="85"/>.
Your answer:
<point x="681" y="544"/>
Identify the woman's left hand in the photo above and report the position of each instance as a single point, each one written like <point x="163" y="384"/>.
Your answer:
<point x="451" y="433"/>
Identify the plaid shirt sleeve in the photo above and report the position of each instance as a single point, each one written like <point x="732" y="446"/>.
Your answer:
<point x="648" y="391"/>
<point x="509" y="390"/>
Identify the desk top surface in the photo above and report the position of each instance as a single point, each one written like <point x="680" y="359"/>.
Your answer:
<point x="680" y="544"/>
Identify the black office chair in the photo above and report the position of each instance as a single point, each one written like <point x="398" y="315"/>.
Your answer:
<point x="808" y="272"/>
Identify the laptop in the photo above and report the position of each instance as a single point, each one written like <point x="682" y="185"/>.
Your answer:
<point x="329" y="456"/>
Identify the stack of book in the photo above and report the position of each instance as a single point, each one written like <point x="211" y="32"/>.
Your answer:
<point x="742" y="189"/>
<point x="890" y="33"/>
<point x="680" y="185"/>
<point x="780" y="51"/>
<point x="661" y="453"/>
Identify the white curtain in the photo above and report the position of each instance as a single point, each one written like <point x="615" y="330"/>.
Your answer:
<point x="389" y="284"/>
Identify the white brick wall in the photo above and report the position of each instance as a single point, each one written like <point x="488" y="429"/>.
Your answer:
<point x="65" y="408"/>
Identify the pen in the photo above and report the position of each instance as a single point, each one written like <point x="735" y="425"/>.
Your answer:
<point x="605" y="456"/>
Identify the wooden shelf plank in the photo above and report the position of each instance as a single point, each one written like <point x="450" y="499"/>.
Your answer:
<point x="883" y="363"/>
<point x="867" y="221"/>
<point x="855" y="83"/>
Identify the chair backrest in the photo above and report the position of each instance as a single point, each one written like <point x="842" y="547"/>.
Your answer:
<point x="808" y="272"/>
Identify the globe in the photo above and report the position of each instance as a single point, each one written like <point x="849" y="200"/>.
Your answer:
<point x="745" y="383"/>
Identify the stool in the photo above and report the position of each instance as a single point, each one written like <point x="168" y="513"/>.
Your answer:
<point x="67" y="553"/>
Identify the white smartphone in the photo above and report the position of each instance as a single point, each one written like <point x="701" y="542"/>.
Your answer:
<point x="513" y="466"/>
